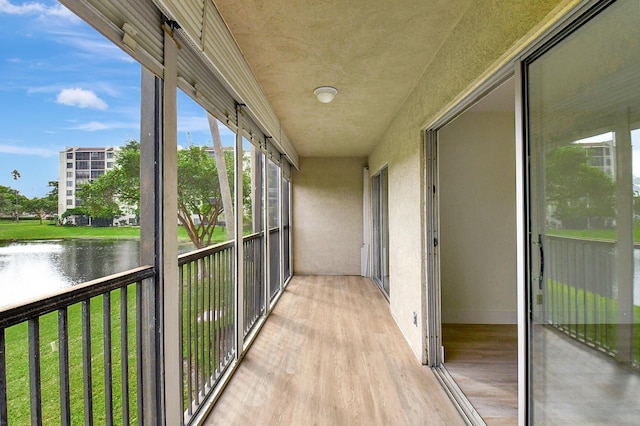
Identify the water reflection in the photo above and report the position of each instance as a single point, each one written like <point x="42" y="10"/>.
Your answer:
<point x="32" y="269"/>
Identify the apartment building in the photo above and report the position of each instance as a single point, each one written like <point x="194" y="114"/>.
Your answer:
<point x="78" y="166"/>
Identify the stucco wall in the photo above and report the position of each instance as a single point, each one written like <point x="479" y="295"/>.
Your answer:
<point x="483" y="40"/>
<point x="327" y="216"/>
<point x="478" y="219"/>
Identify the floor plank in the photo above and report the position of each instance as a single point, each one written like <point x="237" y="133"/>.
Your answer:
<point x="483" y="360"/>
<point x="331" y="354"/>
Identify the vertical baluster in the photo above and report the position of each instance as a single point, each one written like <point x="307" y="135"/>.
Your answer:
<point x="212" y="316"/>
<point x="550" y="283"/>
<point x="230" y="301"/>
<point x="597" y="292"/>
<point x="4" y="415"/>
<point x="196" y="331"/>
<point x="86" y="361"/>
<point x="63" y="359"/>
<point x="124" y="352"/>
<point x="189" y="343"/>
<point x="108" y="368"/>
<point x="201" y="341"/>
<point x="34" y="371"/>
<point x="220" y="313"/>
<point x="182" y="328"/>
<point x="562" y="283"/>
<point x="138" y="349"/>
<point x="225" y="302"/>
<point x="261" y="272"/>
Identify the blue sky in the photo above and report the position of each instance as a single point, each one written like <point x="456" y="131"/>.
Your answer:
<point x="64" y="84"/>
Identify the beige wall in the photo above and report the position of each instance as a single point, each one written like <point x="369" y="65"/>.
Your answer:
<point x="327" y="216"/>
<point x="488" y="34"/>
<point x="478" y="219"/>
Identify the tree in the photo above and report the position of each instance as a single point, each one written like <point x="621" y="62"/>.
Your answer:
<point x="99" y="200"/>
<point x="578" y="192"/>
<point x="199" y="196"/>
<point x="7" y="200"/>
<point x="104" y="197"/>
<point x="45" y="206"/>
<point x="16" y="175"/>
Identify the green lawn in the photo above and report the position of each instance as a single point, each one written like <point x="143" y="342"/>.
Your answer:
<point x="27" y="229"/>
<point x="590" y="316"/>
<point x="18" y="364"/>
<point x="17" y="338"/>
<point x="592" y="234"/>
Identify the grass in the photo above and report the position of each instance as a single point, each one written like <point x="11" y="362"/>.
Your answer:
<point x="17" y="348"/>
<point x="590" y="316"/>
<point x="18" y="364"/>
<point x="31" y="230"/>
<point x="592" y="234"/>
<point x="209" y="286"/>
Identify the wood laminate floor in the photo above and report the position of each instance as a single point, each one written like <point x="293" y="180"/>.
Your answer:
<point x="483" y="360"/>
<point x="331" y="354"/>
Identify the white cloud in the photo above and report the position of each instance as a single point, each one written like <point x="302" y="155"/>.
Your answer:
<point x="200" y="123"/>
<point x="91" y="44"/>
<point x="35" y="8"/>
<point x="12" y="149"/>
<point x="93" y="126"/>
<point x="23" y="9"/>
<point x="81" y="98"/>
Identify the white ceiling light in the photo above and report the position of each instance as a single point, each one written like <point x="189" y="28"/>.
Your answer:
<point x="325" y="94"/>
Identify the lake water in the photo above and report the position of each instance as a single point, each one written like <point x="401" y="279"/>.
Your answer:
<point x="32" y="269"/>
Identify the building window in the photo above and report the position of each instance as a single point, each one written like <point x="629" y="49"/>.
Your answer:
<point x="70" y="192"/>
<point x="69" y="183"/>
<point x="69" y="155"/>
<point x="69" y="165"/>
<point x="83" y="165"/>
<point x="69" y="202"/>
<point x="82" y="156"/>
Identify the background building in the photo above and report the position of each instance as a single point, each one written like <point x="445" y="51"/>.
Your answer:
<point x="78" y="166"/>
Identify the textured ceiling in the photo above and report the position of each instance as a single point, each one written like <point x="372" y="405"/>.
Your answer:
<point x="372" y="51"/>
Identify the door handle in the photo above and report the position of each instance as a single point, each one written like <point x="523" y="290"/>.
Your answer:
<point x="541" y="251"/>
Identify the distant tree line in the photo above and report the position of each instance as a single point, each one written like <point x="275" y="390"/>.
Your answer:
<point x="15" y="205"/>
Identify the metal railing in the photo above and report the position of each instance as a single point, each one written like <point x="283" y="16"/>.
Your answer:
<point x="579" y="292"/>
<point x="254" y="302"/>
<point x="207" y="283"/>
<point x="81" y="351"/>
<point x="96" y="333"/>
<point x="274" y="262"/>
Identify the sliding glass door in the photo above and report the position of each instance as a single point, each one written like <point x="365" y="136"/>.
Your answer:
<point x="583" y="112"/>
<point x="381" y="231"/>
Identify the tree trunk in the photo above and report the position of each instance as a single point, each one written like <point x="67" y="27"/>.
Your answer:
<point x="225" y="189"/>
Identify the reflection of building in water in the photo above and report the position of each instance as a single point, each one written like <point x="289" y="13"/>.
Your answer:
<point x="85" y="260"/>
<point x="78" y="166"/>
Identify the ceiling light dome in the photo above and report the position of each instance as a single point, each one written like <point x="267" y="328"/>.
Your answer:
<point x="325" y="94"/>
